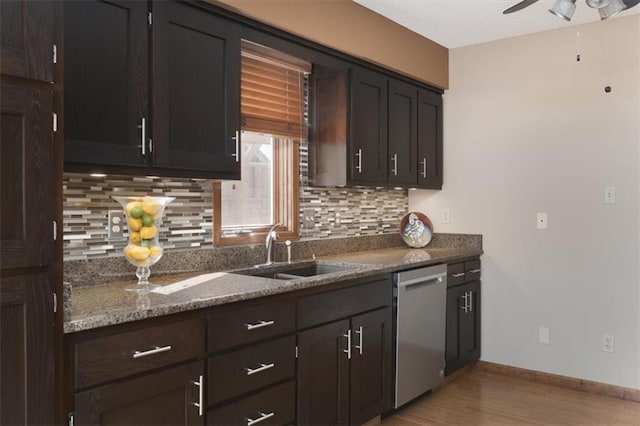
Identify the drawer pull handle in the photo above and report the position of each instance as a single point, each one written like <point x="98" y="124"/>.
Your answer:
<point x="263" y="416"/>
<point x="200" y="403"/>
<point x="262" y="367"/>
<point x="259" y="325"/>
<point x="475" y="271"/>
<point x="156" y="350"/>
<point x="461" y="274"/>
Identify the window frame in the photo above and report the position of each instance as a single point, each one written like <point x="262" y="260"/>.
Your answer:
<point x="286" y="192"/>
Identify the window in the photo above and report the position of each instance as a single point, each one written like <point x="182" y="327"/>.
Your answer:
<point x="273" y="125"/>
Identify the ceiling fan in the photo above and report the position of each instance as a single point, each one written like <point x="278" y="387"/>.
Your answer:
<point x="564" y="9"/>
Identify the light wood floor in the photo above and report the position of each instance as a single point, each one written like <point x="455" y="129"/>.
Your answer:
<point x="481" y="398"/>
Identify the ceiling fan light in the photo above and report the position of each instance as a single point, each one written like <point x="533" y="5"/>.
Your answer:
<point x="564" y="9"/>
<point x="598" y="4"/>
<point x="612" y="9"/>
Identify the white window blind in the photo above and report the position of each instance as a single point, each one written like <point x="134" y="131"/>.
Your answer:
<point x="273" y="85"/>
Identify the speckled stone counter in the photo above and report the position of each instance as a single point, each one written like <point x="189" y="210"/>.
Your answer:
<point x="108" y="304"/>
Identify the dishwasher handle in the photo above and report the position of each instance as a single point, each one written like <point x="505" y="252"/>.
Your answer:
<point x="433" y="279"/>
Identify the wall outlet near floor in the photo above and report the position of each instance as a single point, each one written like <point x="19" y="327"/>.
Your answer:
<point x="543" y="335"/>
<point x="608" y="343"/>
<point x="444" y="216"/>
<point x="542" y="220"/>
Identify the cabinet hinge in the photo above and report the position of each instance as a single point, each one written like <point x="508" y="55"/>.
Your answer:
<point x="150" y="19"/>
<point x="55" y="231"/>
<point x="70" y="416"/>
<point x="296" y="352"/>
<point x="55" y="122"/>
<point x="55" y="54"/>
<point x="55" y="303"/>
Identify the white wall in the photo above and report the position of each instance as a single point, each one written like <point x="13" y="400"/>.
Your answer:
<point x="529" y="129"/>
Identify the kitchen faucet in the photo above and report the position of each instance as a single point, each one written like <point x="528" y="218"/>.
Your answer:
<point x="272" y="235"/>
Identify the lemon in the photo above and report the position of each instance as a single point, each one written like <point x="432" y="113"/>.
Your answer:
<point x="135" y="237"/>
<point x="148" y="220"/>
<point x="130" y="206"/>
<point x="135" y="224"/>
<point x="139" y="253"/>
<point x="150" y="207"/>
<point x="148" y="232"/>
<point x="155" y="251"/>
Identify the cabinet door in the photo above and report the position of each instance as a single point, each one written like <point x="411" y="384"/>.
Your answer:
<point x="371" y="365"/>
<point x="26" y="350"/>
<point x="196" y="90"/>
<point x="105" y="82"/>
<point x="26" y="177"/>
<point x="26" y="39"/>
<point x="368" y="127"/>
<point x="163" y="398"/>
<point x="430" y="140"/>
<point x="403" y="133"/>
<point x="323" y="375"/>
<point x="463" y="325"/>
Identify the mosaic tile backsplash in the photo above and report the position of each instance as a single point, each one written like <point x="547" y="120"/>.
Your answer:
<point x="187" y="223"/>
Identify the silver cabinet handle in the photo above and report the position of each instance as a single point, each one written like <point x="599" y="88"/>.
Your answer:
<point x="470" y="301"/>
<point x="263" y="416"/>
<point x="359" y="332"/>
<point x="424" y="167"/>
<point x="237" y="139"/>
<point x="262" y="367"/>
<point x="200" y="403"/>
<point x="395" y="164"/>
<point x="461" y="274"/>
<point x="259" y="325"/>
<point x="359" y="166"/>
<point x="475" y="271"/>
<point x="465" y="308"/>
<point x="348" y="350"/>
<point x="155" y="350"/>
<point x="143" y="138"/>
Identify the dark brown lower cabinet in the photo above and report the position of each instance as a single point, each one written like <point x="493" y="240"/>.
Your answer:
<point x="463" y="325"/>
<point x="344" y="370"/>
<point x="26" y="350"/>
<point x="167" y="397"/>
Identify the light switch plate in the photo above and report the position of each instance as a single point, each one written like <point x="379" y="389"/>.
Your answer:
<point x="609" y="194"/>
<point x="445" y="216"/>
<point x="543" y="335"/>
<point x="542" y="220"/>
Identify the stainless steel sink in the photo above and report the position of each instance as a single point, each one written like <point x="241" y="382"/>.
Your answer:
<point x="296" y="271"/>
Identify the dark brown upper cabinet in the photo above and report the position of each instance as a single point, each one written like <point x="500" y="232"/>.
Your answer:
<point x="403" y="133"/>
<point x="26" y="39"/>
<point x="367" y="160"/>
<point x="429" y="140"/>
<point x="151" y="88"/>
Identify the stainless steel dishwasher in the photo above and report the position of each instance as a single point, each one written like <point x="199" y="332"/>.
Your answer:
<point x="420" y="306"/>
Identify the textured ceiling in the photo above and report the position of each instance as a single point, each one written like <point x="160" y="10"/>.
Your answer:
<point x="457" y="23"/>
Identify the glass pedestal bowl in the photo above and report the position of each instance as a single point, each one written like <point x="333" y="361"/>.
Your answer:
<point x="143" y="217"/>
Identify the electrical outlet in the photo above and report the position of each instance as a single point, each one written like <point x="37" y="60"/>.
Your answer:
<point x="542" y="220"/>
<point x="609" y="194"/>
<point x="543" y="335"/>
<point x="608" y="343"/>
<point x="308" y="216"/>
<point x="115" y="226"/>
<point x="445" y="218"/>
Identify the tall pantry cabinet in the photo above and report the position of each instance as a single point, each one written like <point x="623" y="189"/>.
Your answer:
<point x="28" y="195"/>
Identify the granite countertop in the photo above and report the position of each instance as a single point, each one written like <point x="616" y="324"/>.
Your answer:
<point x="102" y="305"/>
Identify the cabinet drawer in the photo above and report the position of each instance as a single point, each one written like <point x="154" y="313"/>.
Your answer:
<point x="276" y="405"/>
<point x="333" y="305"/>
<point x="472" y="270"/>
<point x="119" y="355"/>
<point x="250" y="324"/>
<point x="241" y="371"/>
